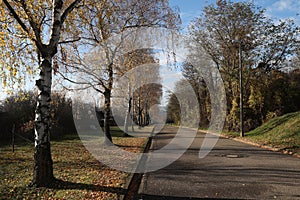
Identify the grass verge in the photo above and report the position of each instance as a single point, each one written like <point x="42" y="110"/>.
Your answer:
<point x="282" y="133"/>
<point x="81" y="175"/>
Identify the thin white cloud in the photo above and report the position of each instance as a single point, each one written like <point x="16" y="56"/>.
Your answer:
<point x="286" y="6"/>
<point x="284" y="9"/>
<point x="188" y="17"/>
<point x="170" y="77"/>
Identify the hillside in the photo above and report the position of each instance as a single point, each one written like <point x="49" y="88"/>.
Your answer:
<point x="281" y="132"/>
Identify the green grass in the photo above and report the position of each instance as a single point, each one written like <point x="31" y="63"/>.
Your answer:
<point x="81" y="175"/>
<point x="282" y="132"/>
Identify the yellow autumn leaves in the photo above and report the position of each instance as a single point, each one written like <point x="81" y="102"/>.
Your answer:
<point x="1" y="39"/>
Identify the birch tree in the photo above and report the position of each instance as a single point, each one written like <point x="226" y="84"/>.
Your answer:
<point x="30" y="34"/>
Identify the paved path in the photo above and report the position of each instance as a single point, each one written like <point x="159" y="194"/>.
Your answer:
<point x="255" y="174"/>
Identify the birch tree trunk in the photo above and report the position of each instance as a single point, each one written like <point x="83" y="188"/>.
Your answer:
<point x="31" y="22"/>
<point x="43" y="164"/>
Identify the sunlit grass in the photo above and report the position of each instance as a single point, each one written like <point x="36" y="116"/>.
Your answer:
<point x="80" y="174"/>
<point x="281" y="132"/>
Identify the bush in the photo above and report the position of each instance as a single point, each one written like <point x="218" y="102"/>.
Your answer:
<point x="61" y="115"/>
<point x="19" y="110"/>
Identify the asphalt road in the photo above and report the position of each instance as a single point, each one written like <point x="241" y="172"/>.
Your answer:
<point x="232" y="170"/>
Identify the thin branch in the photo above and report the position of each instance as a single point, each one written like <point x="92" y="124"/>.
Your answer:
<point x="16" y="16"/>
<point x="33" y="24"/>
<point x="70" y="80"/>
<point x="70" y="41"/>
<point x="88" y="85"/>
<point x="24" y="47"/>
<point x="68" y="10"/>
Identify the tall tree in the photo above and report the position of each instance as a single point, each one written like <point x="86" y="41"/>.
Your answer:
<point x="145" y="97"/>
<point x="36" y="26"/>
<point x="195" y="77"/>
<point x="265" y="44"/>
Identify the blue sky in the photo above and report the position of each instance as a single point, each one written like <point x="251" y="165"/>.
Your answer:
<point x="277" y="9"/>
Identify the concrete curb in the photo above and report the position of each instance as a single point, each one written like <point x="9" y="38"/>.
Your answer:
<point x="136" y="179"/>
<point x="144" y="179"/>
<point x="245" y="141"/>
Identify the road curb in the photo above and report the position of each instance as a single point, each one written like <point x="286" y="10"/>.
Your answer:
<point x="136" y="179"/>
<point x="144" y="178"/>
<point x="245" y="141"/>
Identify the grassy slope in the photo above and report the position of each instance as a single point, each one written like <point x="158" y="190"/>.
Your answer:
<point x="282" y="132"/>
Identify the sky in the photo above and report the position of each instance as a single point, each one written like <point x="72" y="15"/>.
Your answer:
<point x="276" y="9"/>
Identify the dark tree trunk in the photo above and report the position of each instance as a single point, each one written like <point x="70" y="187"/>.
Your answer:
<point x="43" y="166"/>
<point x="107" y="115"/>
<point x="147" y="118"/>
<point x="139" y="112"/>
<point x="133" y="115"/>
<point x="204" y="118"/>
<point x="127" y="117"/>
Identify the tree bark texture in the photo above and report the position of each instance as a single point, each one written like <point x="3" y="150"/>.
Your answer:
<point x="43" y="164"/>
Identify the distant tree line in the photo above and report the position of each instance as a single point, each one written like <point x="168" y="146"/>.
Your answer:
<point x="273" y="94"/>
<point x="139" y="100"/>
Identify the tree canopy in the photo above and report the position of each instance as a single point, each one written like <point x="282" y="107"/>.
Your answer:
<point x="267" y="46"/>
